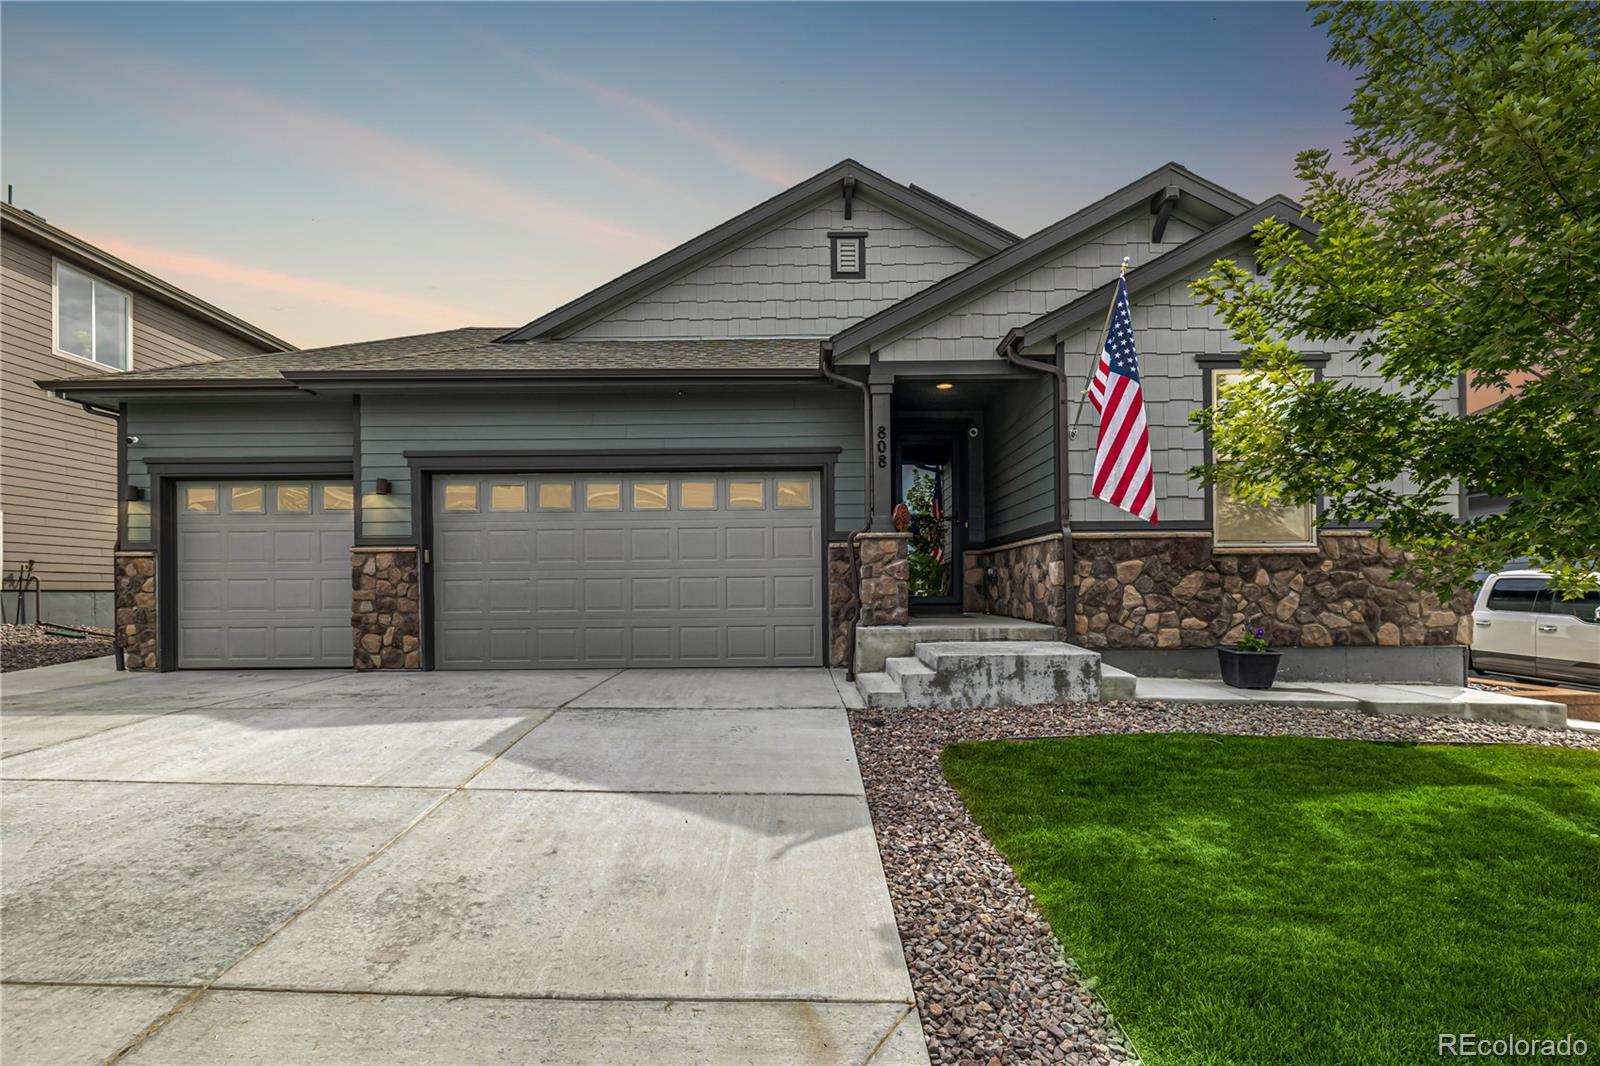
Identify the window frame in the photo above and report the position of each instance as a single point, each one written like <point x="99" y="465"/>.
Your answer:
<point x="56" y="263"/>
<point x="1212" y="370"/>
<point x="834" y="240"/>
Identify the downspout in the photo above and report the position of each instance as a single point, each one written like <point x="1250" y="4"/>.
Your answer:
<point x="1010" y="347"/>
<point x="851" y="542"/>
<point x="115" y="416"/>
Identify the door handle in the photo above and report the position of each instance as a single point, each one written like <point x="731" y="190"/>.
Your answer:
<point x="1482" y="622"/>
<point x="1547" y="629"/>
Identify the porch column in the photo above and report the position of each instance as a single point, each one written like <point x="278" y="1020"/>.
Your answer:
<point x="880" y="459"/>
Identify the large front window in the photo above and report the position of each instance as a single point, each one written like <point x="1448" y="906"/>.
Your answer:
<point x="1245" y="524"/>
<point x="93" y="319"/>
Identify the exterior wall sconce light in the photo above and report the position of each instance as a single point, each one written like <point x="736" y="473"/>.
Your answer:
<point x="382" y="486"/>
<point x="135" y="493"/>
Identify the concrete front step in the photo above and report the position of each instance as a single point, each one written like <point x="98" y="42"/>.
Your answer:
<point x="875" y="645"/>
<point x="878" y="689"/>
<point x="914" y="678"/>
<point x="986" y="673"/>
<point x="1116" y="684"/>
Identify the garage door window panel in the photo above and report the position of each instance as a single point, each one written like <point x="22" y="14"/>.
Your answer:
<point x="602" y="496"/>
<point x="697" y="495"/>
<point x="338" y="497"/>
<point x="461" y="496"/>
<point x="247" y="499"/>
<point x="649" y="495"/>
<point x="747" y="495"/>
<point x="555" y="496"/>
<point x="508" y="497"/>
<point x="200" y="499"/>
<point x="294" y="499"/>
<point x="794" y="492"/>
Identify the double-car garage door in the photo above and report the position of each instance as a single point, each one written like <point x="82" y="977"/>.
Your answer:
<point x="585" y="570"/>
<point x="528" y="571"/>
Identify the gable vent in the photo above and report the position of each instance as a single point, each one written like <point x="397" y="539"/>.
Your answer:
<point x="849" y="253"/>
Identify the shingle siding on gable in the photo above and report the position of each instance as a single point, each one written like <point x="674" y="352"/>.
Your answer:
<point x="780" y="283"/>
<point x="1170" y="327"/>
<point x="973" y="330"/>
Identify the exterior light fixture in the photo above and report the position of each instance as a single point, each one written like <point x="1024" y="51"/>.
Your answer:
<point x="134" y="493"/>
<point x="383" y="487"/>
<point x="944" y="386"/>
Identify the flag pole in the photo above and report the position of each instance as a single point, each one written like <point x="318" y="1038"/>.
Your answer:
<point x="1072" y="433"/>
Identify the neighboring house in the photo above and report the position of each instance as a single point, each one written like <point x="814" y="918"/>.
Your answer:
<point x="68" y="309"/>
<point x="670" y="469"/>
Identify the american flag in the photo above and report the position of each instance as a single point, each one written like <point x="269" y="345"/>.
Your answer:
<point x="1122" y="473"/>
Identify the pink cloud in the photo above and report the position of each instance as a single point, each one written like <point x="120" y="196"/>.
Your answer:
<point x="192" y="266"/>
<point x="769" y="166"/>
<point x="331" y="142"/>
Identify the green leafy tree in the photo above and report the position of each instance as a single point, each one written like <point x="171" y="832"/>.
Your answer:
<point x="1462" y="240"/>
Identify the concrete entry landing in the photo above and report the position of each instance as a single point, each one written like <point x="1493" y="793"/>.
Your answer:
<point x="579" y="867"/>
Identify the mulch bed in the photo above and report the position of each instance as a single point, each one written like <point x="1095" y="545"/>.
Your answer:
<point x="991" y="981"/>
<point x="25" y="647"/>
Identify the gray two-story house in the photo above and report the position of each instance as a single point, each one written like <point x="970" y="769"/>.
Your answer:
<point x="698" y="463"/>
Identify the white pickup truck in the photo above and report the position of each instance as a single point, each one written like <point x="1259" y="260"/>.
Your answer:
<point x="1521" y="628"/>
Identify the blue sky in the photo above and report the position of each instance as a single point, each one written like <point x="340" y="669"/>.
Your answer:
<point x="339" y="172"/>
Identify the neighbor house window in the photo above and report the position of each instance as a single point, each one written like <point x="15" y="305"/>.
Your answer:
<point x="94" y="320"/>
<point x="1243" y="524"/>
<point x="849" y="254"/>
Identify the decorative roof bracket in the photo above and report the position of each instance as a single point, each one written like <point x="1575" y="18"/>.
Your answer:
<point x="1161" y="205"/>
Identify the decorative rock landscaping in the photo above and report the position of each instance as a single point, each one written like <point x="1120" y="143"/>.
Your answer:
<point x="991" y="982"/>
<point x="26" y="646"/>
<point x="384" y="612"/>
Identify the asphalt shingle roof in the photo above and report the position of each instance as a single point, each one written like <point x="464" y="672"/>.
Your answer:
<point x="474" y="349"/>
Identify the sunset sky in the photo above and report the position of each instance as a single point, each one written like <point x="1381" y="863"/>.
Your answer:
<point x="337" y="172"/>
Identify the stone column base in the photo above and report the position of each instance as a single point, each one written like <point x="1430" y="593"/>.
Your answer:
<point x="135" y="592"/>
<point x="384" y="619"/>
<point x="885" y="576"/>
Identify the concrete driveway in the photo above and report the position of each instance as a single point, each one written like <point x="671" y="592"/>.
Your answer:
<point x="559" y="867"/>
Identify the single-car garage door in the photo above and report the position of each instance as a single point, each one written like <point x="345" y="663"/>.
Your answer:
<point x="263" y="573"/>
<point x="593" y="570"/>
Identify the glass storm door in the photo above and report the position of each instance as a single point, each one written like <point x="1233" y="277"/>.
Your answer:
<point x="928" y="478"/>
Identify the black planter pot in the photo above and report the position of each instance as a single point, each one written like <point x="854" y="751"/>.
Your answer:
<point x="1248" y="669"/>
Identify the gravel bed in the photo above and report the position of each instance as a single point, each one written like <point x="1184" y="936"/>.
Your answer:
<point x="991" y="982"/>
<point x="24" y="647"/>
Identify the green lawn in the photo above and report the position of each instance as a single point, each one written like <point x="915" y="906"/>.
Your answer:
<point x="1288" y="900"/>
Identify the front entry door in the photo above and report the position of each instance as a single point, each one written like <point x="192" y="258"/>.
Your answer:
<point x="929" y="475"/>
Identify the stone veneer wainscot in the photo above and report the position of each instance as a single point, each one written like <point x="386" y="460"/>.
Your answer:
<point x="885" y="574"/>
<point x="384" y="619"/>
<point x="135" y="588"/>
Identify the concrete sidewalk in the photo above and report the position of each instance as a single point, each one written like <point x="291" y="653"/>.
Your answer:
<point x="557" y="867"/>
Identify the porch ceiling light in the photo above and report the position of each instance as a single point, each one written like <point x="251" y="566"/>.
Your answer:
<point x="944" y="386"/>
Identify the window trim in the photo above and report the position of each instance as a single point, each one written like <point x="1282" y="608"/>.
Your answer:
<point x="56" y="263"/>
<point x="1211" y="368"/>
<point x="860" y="236"/>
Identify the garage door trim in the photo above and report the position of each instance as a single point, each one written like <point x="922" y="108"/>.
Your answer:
<point x="165" y="476"/>
<point x="423" y="466"/>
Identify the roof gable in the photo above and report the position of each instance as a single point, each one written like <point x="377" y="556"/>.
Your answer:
<point x="1158" y="271"/>
<point x="960" y="227"/>
<point x="1204" y="199"/>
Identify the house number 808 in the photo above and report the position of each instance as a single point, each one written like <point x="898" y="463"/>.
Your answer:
<point x="883" y="446"/>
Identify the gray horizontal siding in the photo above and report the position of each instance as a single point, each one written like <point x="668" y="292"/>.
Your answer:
<point x="1019" y="461"/>
<point x="298" y="428"/>
<point x="972" y="330"/>
<point x="779" y="284"/>
<point x="795" y="419"/>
